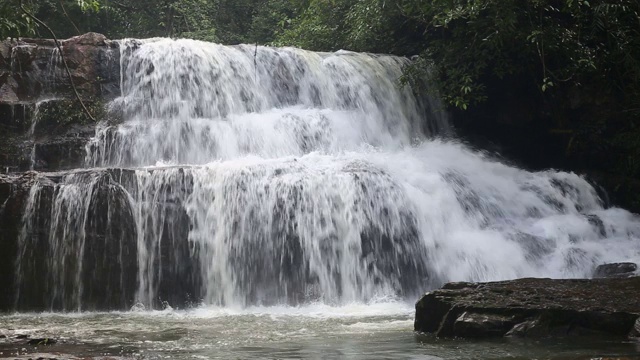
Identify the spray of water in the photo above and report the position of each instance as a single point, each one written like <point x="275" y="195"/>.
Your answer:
<point x="189" y="102"/>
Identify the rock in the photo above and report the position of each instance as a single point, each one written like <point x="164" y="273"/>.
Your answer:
<point x="523" y="329"/>
<point x="5" y="56"/>
<point x="35" y="69"/>
<point x="110" y="233"/>
<point x="8" y="86"/>
<point x="471" y="324"/>
<point x="32" y="70"/>
<point x="90" y="38"/>
<point x="42" y="341"/>
<point x="531" y="308"/>
<point x="635" y="332"/>
<point x="22" y="336"/>
<point x="625" y="269"/>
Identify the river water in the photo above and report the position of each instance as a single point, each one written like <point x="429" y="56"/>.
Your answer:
<point x="375" y="331"/>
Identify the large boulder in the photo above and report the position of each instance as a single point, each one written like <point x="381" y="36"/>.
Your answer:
<point x="532" y="308"/>
<point x="625" y="269"/>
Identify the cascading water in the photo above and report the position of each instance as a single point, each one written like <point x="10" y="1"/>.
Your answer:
<point x="280" y="176"/>
<point x="191" y="103"/>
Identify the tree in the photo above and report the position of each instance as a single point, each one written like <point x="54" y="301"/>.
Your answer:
<point x="560" y="43"/>
<point x="12" y="22"/>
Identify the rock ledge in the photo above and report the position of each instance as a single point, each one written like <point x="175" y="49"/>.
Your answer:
<point x="532" y="308"/>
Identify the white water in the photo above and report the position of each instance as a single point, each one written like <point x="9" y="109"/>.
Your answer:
<point x="286" y="177"/>
<point x="188" y="102"/>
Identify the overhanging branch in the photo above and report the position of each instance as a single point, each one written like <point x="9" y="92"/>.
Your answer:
<point x="64" y="61"/>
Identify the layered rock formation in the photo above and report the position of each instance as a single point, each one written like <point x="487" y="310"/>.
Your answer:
<point x="532" y="308"/>
<point x="42" y="125"/>
<point x="69" y="242"/>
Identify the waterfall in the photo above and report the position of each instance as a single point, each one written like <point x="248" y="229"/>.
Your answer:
<point x="246" y="175"/>
<point x="188" y="102"/>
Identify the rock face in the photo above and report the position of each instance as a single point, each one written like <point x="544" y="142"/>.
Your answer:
<point x="69" y="242"/>
<point x="32" y="69"/>
<point x="616" y="270"/>
<point x="532" y="308"/>
<point x="42" y="287"/>
<point x="42" y="125"/>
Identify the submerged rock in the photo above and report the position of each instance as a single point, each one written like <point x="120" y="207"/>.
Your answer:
<point x="532" y="308"/>
<point x="614" y="270"/>
<point x="42" y="341"/>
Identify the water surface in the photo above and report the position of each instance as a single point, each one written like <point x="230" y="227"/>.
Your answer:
<point x="375" y="331"/>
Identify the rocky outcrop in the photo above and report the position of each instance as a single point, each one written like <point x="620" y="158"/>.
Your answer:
<point x="532" y="308"/>
<point x="104" y="264"/>
<point x="615" y="270"/>
<point x="12" y="197"/>
<point x="32" y="69"/>
<point x="69" y="242"/>
<point x="42" y="125"/>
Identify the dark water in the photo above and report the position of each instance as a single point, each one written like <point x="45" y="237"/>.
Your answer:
<point x="378" y="331"/>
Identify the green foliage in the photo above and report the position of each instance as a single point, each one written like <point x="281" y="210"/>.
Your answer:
<point x="467" y="46"/>
<point x="13" y="22"/>
<point x="358" y="25"/>
<point x="270" y="20"/>
<point x="570" y="43"/>
<point x="319" y="26"/>
<point x="89" y="5"/>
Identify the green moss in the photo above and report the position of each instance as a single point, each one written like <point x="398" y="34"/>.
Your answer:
<point x="56" y="113"/>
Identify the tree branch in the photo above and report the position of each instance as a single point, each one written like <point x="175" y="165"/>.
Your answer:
<point x="64" y="61"/>
<point x="125" y="7"/>
<point x="64" y="11"/>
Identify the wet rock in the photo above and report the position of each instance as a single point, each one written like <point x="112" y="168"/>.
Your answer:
<point x="635" y="332"/>
<point x="531" y="308"/>
<point x="471" y="324"/>
<point x="109" y="232"/>
<point x="37" y="70"/>
<point x="37" y="132"/>
<point x="56" y="356"/>
<point x="12" y="197"/>
<point x="42" y="341"/>
<point x="5" y="55"/>
<point x="90" y="38"/>
<point x="614" y="270"/>
<point x="50" y="135"/>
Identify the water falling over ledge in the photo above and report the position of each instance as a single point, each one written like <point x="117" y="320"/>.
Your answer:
<point x="287" y="177"/>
